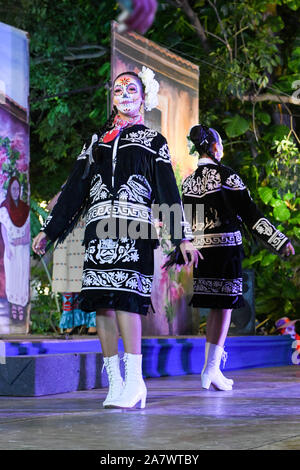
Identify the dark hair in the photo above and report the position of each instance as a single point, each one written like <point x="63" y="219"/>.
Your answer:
<point x="203" y="137"/>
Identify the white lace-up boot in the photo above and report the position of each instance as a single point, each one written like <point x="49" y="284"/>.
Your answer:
<point x="115" y="381"/>
<point x="134" y="392"/>
<point x="212" y="374"/>
<point x="223" y="358"/>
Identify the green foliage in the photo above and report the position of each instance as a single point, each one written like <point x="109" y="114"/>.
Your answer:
<point x="252" y="49"/>
<point x="69" y="50"/>
<point x="236" y="126"/>
<point x="37" y="216"/>
<point x="45" y="306"/>
<point x="278" y="280"/>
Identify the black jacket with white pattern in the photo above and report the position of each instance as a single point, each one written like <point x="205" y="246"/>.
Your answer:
<point x="226" y="201"/>
<point x="118" y="180"/>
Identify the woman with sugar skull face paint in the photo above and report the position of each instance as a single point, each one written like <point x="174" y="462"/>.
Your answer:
<point x="116" y="179"/>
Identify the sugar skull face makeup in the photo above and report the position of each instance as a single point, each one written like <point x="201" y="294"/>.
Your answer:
<point x="128" y="95"/>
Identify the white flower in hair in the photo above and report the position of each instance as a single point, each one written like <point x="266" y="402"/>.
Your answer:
<point x="151" y="88"/>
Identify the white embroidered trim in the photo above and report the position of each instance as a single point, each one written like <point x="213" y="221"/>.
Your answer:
<point x="164" y="154"/>
<point x="137" y="189"/>
<point x="234" y="182"/>
<point x="98" y="190"/>
<point x="119" y="209"/>
<point x="137" y="145"/>
<point x="111" y="251"/>
<point x="199" y="187"/>
<point x="142" y="137"/>
<point x="211" y="286"/>
<point x="264" y="228"/>
<point x="47" y="221"/>
<point x="88" y="152"/>
<point x="215" y="240"/>
<point x="117" y="279"/>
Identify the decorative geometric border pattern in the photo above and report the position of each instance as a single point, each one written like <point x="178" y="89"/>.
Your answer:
<point x="126" y="210"/>
<point x="212" y="286"/>
<point x="214" y="240"/>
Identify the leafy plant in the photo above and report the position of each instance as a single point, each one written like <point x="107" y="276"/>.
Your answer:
<point x="45" y="305"/>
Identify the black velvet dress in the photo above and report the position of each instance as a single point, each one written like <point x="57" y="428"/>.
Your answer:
<point x="117" y="182"/>
<point x="225" y="200"/>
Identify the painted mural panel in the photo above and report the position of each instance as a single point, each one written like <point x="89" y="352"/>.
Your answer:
<point x="14" y="181"/>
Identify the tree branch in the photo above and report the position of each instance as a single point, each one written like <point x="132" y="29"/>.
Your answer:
<point x="185" y="6"/>
<point x="273" y="98"/>
<point x="222" y="29"/>
<point x="100" y="51"/>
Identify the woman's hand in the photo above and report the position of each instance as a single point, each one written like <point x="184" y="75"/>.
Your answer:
<point x="39" y="243"/>
<point x="288" y="250"/>
<point x="189" y="251"/>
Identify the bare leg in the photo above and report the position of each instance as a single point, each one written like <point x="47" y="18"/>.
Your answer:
<point x="108" y="332"/>
<point x="218" y="323"/>
<point x="131" y="331"/>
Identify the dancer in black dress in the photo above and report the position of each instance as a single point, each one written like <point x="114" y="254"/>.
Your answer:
<point x="117" y="177"/>
<point x="218" y="278"/>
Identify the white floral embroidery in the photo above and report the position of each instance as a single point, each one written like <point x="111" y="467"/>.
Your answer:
<point x="134" y="256"/>
<point x="137" y="189"/>
<point x="142" y="137"/>
<point x="111" y="251"/>
<point x="164" y="153"/>
<point x="98" y="189"/>
<point x="126" y="280"/>
<point x="200" y="186"/>
<point x="234" y="182"/>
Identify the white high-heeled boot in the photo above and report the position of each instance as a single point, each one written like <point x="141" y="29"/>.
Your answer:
<point x="224" y="358"/>
<point x="115" y="381"/>
<point x="134" y="392"/>
<point x="212" y="374"/>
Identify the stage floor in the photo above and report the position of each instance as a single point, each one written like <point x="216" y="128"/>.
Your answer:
<point x="262" y="412"/>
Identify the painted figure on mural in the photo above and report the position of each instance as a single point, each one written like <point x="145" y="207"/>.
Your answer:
<point x="116" y="178"/>
<point x="15" y="233"/>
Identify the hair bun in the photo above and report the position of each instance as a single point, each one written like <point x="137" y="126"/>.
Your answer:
<point x="201" y="137"/>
